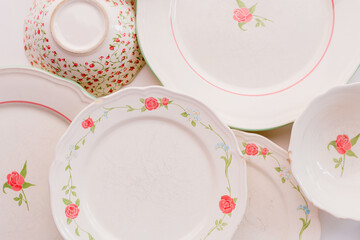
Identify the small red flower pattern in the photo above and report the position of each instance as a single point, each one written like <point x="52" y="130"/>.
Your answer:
<point x="343" y="145"/>
<point x="15" y="180"/>
<point x="72" y="211"/>
<point x="251" y="149"/>
<point x="151" y="103"/>
<point x="103" y="75"/>
<point x="227" y="204"/>
<point x="87" y="123"/>
<point x="265" y="151"/>
<point x="165" y="101"/>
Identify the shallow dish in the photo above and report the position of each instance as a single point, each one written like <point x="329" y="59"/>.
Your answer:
<point x="324" y="151"/>
<point x="92" y="42"/>
<point x="149" y="159"/>
<point x="255" y="64"/>
<point x="35" y="109"/>
<point x="277" y="208"/>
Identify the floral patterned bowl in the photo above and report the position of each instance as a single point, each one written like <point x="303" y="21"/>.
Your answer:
<point x="324" y="151"/>
<point x="92" y="42"/>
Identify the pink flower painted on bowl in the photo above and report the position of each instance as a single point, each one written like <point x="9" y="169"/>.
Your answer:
<point x="165" y="101"/>
<point x="343" y="144"/>
<point x="72" y="211"/>
<point x="15" y="180"/>
<point x="87" y="123"/>
<point x="242" y="15"/>
<point x="151" y="103"/>
<point x="227" y="204"/>
<point x="251" y="149"/>
<point x="265" y="151"/>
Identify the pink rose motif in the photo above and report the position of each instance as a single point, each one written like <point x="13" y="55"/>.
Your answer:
<point x="264" y="151"/>
<point x="251" y="149"/>
<point x="165" y="101"/>
<point x="15" y="180"/>
<point x="151" y="103"/>
<point x="242" y="15"/>
<point x="72" y="211"/>
<point x="87" y="123"/>
<point x="227" y="204"/>
<point x="343" y="144"/>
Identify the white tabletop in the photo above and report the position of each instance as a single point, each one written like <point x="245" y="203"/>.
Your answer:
<point x="12" y="14"/>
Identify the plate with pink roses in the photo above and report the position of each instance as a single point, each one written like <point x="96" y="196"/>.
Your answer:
<point x="257" y="64"/>
<point x="35" y="109"/>
<point x="275" y="200"/>
<point x="325" y="150"/>
<point x="148" y="163"/>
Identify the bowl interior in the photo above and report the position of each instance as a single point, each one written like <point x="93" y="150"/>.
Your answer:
<point x="324" y="151"/>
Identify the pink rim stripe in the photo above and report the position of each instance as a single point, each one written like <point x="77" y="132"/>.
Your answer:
<point x="38" y="104"/>
<point x="263" y="94"/>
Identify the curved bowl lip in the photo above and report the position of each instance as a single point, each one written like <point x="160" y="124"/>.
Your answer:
<point x="226" y="128"/>
<point x="295" y="132"/>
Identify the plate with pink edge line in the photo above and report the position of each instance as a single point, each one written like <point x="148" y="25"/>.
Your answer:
<point x="35" y="110"/>
<point x="257" y="64"/>
<point x="277" y="208"/>
<point x="149" y="159"/>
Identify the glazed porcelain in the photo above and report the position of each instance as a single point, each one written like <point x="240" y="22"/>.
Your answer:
<point x="149" y="159"/>
<point x="256" y="64"/>
<point x="35" y="108"/>
<point x="324" y="151"/>
<point x="275" y="201"/>
<point x="92" y="42"/>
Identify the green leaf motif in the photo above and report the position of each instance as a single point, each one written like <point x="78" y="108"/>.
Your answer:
<point x="92" y="129"/>
<point x="244" y="144"/>
<point x="142" y="100"/>
<point x="184" y="114"/>
<point x="283" y="180"/>
<point x="76" y="147"/>
<point x="252" y="9"/>
<point x="235" y="200"/>
<point x="278" y="169"/>
<point x="240" y="4"/>
<point x="24" y="170"/>
<point x="66" y="201"/>
<point x="77" y="202"/>
<point x="143" y="109"/>
<point x="335" y="160"/>
<point x="6" y="185"/>
<point x="27" y="185"/>
<point x="69" y="220"/>
<point x="351" y="153"/>
<point x="354" y="140"/>
<point x="16" y="199"/>
<point x="193" y="123"/>
<point x="20" y="202"/>
<point x="332" y="143"/>
<point x="77" y="231"/>
<point x="337" y="165"/>
<point x="91" y="237"/>
<point x="64" y="187"/>
<point x="241" y="26"/>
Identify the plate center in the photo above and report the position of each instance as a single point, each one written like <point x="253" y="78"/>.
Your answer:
<point x="285" y="47"/>
<point x="155" y="183"/>
<point x="79" y="26"/>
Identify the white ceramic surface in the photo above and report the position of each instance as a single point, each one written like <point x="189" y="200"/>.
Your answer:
<point x="276" y="209"/>
<point x="12" y="53"/>
<point x="149" y="159"/>
<point x="324" y="151"/>
<point x="256" y="79"/>
<point x="92" y="42"/>
<point x="29" y="133"/>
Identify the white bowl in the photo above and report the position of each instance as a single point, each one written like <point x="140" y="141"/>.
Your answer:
<point x="324" y="151"/>
<point x="92" y="42"/>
